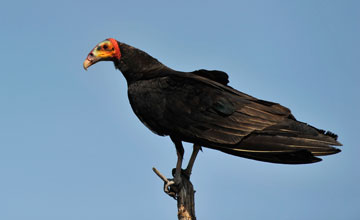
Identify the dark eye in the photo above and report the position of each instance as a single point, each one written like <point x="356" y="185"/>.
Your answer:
<point x="105" y="47"/>
<point x="98" y="48"/>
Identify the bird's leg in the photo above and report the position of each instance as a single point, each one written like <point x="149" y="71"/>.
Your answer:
<point x="180" y="155"/>
<point x="177" y="174"/>
<point x="190" y="165"/>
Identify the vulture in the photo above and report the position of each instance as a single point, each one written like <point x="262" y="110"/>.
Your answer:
<point x="200" y="107"/>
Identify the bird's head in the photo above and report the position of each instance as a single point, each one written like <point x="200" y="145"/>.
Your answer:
<point x="107" y="50"/>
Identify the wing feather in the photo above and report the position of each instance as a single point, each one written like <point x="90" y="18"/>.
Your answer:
<point x="217" y="116"/>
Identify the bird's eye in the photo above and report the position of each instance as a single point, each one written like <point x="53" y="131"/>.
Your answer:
<point x="105" y="47"/>
<point x="98" y="48"/>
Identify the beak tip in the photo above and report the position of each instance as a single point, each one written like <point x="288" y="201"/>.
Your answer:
<point x="86" y="64"/>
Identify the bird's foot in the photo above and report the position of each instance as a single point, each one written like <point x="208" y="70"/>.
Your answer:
<point x="171" y="186"/>
<point x="184" y="173"/>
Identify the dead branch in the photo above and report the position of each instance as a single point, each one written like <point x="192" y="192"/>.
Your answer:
<point x="183" y="193"/>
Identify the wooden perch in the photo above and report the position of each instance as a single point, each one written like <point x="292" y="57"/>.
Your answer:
<point x="183" y="193"/>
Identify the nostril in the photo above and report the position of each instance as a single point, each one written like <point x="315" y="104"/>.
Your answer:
<point x="90" y="56"/>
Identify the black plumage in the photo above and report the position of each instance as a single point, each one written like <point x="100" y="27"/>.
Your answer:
<point x="199" y="107"/>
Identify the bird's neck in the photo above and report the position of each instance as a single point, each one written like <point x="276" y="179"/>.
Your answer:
<point x="136" y="64"/>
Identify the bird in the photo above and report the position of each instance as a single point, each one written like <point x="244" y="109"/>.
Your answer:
<point x="199" y="107"/>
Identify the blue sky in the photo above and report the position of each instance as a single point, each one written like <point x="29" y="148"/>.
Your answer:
<point x="71" y="147"/>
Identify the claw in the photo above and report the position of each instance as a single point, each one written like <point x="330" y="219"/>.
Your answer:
<point x="170" y="186"/>
<point x="187" y="173"/>
<point x="168" y="190"/>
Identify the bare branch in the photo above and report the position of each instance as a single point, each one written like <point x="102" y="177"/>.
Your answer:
<point x="160" y="175"/>
<point x="183" y="193"/>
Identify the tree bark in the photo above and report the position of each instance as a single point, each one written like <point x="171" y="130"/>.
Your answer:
<point x="184" y="194"/>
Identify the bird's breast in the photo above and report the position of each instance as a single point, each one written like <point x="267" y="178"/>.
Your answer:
<point x="148" y="103"/>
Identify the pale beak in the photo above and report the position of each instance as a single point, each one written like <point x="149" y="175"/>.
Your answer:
<point x="90" y="60"/>
<point x="87" y="63"/>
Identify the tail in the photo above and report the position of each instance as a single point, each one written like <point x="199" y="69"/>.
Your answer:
<point x="289" y="142"/>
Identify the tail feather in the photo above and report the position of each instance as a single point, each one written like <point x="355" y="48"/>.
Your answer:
<point x="293" y="157"/>
<point x="278" y="143"/>
<point x="289" y="142"/>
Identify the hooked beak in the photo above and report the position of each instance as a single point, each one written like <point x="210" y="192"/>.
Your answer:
<point x="86" y="64"/>
<point x="90" y="60"/>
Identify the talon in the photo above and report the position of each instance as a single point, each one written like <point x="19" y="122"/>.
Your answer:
<point x="167" y="186"/>
<point x="177" y="179"/>
<point x="168" y="190"/>
<point x="184" y="173"/>
<point x="187" y="173"/>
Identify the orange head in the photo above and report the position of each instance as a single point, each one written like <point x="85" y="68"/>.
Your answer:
<point x="107" y="50"/>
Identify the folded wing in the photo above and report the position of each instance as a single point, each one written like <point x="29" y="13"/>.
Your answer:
<point x="214" y="115"/>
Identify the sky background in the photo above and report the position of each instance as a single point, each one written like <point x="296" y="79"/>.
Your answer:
<point x="71" y="147"/>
